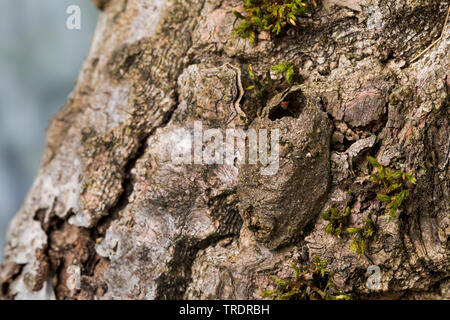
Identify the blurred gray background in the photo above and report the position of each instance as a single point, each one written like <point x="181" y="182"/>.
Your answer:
<point x="39" y="64"/>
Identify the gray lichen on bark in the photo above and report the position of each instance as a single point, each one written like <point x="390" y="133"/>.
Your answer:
<point x="111" y="216"/>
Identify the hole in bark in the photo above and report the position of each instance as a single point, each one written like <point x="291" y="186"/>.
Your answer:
<point x="291" y="106"/>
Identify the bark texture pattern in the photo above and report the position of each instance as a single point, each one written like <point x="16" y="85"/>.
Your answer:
<point x="111" y="216"/>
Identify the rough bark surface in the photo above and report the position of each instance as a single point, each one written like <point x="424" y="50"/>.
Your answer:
<point x="110" y="216"/>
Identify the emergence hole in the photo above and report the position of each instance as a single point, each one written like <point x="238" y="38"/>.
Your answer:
<point x="290" y="107"/>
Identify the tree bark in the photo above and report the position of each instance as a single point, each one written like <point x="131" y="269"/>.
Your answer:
<point x="110" y="216"/>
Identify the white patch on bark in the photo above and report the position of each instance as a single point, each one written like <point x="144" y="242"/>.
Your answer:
<point x="25" y="237"/>
<point x="375" y="19"/>
<point x="21" y="291"/>
<point x="74" y="280"/>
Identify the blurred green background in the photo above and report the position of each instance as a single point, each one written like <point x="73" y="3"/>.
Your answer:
<point x="39" y="64"/>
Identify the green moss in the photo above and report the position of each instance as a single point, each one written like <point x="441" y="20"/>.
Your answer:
<point x="337" y="219"/>
<point x="362" y="236"/>
<point x="256" y="83"/>
<point x="394" y="191"/>
<point x="401" y="96"/>
<point x="393" y="184"/>
<point x="393" y="99"/>
<point x="287" y="68"/>
<point x="269" y="15"/>
<point x="314" y="283"/>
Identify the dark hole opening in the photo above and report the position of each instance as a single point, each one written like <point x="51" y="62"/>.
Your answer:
<point x="291" y="106"/>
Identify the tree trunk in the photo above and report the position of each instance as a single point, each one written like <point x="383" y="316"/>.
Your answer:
<point x="112" y="216"/>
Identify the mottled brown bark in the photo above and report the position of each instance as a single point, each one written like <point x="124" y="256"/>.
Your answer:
<point x="111" y="216"/>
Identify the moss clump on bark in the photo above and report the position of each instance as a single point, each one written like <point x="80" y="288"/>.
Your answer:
<point x="314" y="283"/>
<point x="337" y="219"/>
<point x="269" y="15"/>
<point x="394" y="185"/>
<point x="362" y="236"/>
